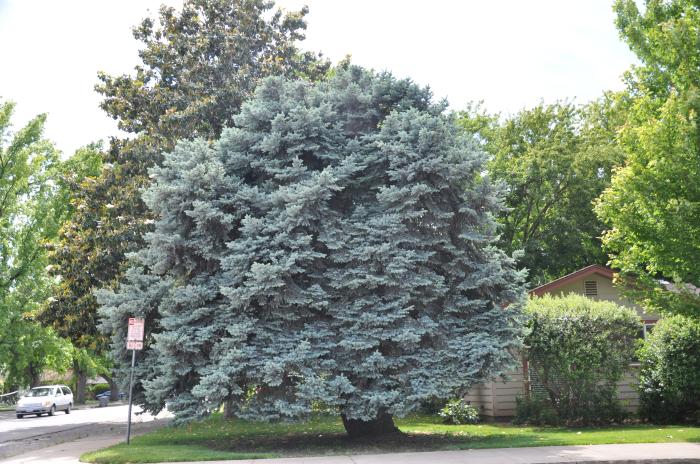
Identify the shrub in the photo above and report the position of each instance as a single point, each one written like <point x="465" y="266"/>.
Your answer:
<point x="670" y="371"/>
<point x="458" y="412"/>
<point x="578" y="349"/>
<point x="432" y="406"/>
<point x="534" y="410"/>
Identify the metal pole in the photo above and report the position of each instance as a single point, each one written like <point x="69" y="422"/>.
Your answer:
<point x="131" y="385"/>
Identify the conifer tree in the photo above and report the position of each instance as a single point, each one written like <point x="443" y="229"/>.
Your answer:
<point x="335" y="246"/>
<point x="196" y="65"/>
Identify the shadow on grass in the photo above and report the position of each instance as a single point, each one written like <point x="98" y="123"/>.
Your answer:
<point x="340" y="443"/>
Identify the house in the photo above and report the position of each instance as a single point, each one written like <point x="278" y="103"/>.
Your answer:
<point x="496" y="399"/>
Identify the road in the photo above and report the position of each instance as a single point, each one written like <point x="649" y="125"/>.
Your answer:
<point x="31" y="432"/>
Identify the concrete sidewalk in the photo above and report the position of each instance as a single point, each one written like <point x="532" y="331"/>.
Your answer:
<point x="666" y="453"/>
<point x="656" y="453"/>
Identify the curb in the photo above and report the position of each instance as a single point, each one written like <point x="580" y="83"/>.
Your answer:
<point x="97" y="406"/>
<point x="633" y="461"/>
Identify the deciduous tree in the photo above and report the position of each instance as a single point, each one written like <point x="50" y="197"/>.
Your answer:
<point x="200" y="63"/>
<point x="652" y="208"/>
<point x="555" y="160"/>
<point x="31" y="211"/>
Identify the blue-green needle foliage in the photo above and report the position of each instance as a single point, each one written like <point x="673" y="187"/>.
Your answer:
<point x="335" y="246"/>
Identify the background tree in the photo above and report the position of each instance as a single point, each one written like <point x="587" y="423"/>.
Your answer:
<point x="197" y="65"/>
<point x="336" y="247"/>
<point x="201" y="63"/>
<point x="555" y="160"/>
<point x="28" y="350"/>
<point x="30" y="213"/>
<point x="652" y="208"/>
<point x="70" y="259"/>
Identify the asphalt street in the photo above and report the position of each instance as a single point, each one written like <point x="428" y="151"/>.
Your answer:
<point x="31" y="432"/>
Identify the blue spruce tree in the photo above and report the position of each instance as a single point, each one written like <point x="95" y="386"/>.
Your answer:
<point x="335" y="246"/>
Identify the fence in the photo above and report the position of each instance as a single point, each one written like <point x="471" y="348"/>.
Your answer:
<point x="9" y="398"/>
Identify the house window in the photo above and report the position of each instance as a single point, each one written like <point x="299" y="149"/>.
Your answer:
<point x="647" y="328"/>
<point x="590" y="288"/>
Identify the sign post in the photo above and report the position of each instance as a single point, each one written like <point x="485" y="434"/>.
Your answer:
<point x="134" y="341"/>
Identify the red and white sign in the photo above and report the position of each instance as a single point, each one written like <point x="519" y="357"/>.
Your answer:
<point x="135" y="329"/>
<point x="130" y="345"/>
<point x="134" y="337"/>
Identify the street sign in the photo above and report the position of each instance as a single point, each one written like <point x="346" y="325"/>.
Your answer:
<point x="131" y="345"/>
<point x="135" y="333"/>
<point x="134" y="341"/>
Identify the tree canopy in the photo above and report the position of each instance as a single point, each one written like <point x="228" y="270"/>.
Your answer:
<point x="200" y="63"/>
<point x="31" y="211"/>
<point x="653" y="205"/>
<point x="335" y="246"/>
<point x="554" y="160"/>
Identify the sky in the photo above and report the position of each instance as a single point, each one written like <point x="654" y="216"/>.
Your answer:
<point x="510" y="54"/>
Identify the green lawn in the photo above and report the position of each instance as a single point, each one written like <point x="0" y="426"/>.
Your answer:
<point x="217" y="438"/>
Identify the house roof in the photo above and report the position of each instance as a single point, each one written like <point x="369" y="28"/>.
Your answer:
<point x="580" y="274"/>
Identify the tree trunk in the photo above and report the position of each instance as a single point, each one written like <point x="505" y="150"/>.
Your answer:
<point x="113" y="387"/>
<point x="228" y="408"/>
<point x="381" y="425"/>
<point x="34" y="376"/>
<point x="80" y="384"/>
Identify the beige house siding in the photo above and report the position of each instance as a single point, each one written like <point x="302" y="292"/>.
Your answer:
<point x="481" y="398"/>
<point x="506" y="391"/>
<point x="627" y="389"/>
<point x="496" y="399"/>
<point x="606" y="292"/>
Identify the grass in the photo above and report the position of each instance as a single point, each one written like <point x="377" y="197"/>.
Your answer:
<point x="216" y="438"/>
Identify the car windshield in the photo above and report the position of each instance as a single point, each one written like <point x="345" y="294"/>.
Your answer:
<point x="39" y="392"/>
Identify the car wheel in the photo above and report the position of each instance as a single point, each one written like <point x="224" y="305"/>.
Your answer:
<point x="19" y="416"/>
<point x="52" y="411"/>
<point x="68" y="408"/>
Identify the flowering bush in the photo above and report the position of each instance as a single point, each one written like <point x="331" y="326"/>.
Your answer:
<point x="458" y="412"/>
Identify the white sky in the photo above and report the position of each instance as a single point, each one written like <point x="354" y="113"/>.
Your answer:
<point x="509" y="53"/>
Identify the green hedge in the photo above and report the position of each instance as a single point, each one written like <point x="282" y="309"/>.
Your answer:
<point x="670" y="371"/>
<point x="577" y="350"/>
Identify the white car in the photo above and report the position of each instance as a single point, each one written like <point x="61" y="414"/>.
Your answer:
<point x="49" y="399"/>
